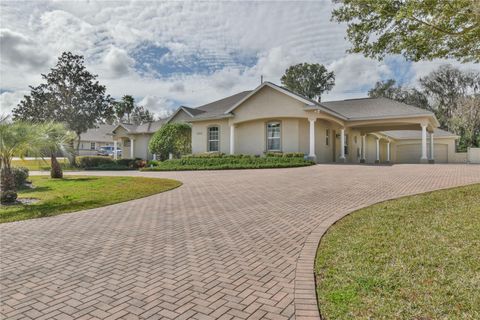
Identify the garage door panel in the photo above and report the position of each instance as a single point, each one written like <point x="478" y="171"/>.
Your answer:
<point x="441" y="153"/>
<point x="411" y="153"/>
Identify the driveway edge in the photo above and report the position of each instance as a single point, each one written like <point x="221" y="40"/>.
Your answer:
<point x="305" y="293"/>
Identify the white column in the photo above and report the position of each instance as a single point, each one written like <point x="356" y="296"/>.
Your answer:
<point x="154" y="156"/>
<point x="342" y="144"/>
<point x="424" y="143"/>
<point x="311" y="153"/>
<point x="432" y="148"/>
<point x="388" y="151"/>
<point x="115" y="155"/>
<point x="364" y="145"/>
<point x="232" y="139"/>
<point x="377" y="159"/>
<point x="132" y="152"/>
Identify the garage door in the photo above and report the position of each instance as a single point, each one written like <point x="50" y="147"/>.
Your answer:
<point x="441" y="153"/>
<point x="410" y="153"/>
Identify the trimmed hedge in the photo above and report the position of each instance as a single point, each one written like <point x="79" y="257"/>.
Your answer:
<point x="106" y="163"/>
<point x="111" y="167"/>
<point x="93" y="161"/>
<point x="223" y="162"/>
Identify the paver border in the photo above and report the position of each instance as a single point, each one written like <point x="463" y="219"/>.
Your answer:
<point x="305" y="294"/>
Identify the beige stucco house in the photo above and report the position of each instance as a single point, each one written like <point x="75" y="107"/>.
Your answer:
<point x="271" y="118"/>
<point x="95" y="138"/>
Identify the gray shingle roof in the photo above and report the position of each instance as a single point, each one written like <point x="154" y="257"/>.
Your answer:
<point x="193" y="111"/>
<point x="150" y="126"/>
<point x="218" y="108"/>
<point x="102" y="133"/>
<point x="416" y="134"/>
<point x="371" y="108"/>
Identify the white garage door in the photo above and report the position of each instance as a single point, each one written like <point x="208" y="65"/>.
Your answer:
<point x="410" y="153"/>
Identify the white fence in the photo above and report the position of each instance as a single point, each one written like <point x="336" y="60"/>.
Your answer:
<point x="473" y="155"/>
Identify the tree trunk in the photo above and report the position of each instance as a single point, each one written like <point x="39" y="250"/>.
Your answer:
<point x="76" y="153"/>
<point x="8" y="191"/>
<point x="56" y="171"/>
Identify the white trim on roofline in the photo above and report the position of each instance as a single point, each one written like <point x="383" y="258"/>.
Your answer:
<point x="431" y="115"/>
<point x="216" y="117"/>
<point x="177" y="111"/>
<point x="120" y="125"/>
<point x="308" y="102"/>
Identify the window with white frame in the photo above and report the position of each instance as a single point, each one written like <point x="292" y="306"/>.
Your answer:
<point x="213" y="139"/>
<point x="273" y="136"/>
<point x="327" y="137"/>
<point x="92" y="145"/>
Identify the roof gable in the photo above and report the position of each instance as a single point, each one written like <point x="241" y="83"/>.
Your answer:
<point x="190" y="112"/>
<point x="275" y="87"/>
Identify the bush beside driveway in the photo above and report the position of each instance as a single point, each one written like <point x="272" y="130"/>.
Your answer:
<point x="219" y="161"/>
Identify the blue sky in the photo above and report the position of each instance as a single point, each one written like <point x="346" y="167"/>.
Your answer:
<point x="168" y="54"/>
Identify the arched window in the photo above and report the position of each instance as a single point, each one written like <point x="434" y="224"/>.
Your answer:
<point x="213" y="136"/>
<point x="274" y="136"/>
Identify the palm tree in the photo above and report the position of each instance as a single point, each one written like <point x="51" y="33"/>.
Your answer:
<point x="55" y="139"/>
<point x="16" y="139"/>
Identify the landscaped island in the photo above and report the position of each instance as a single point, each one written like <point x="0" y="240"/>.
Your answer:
<point x="220" y="161"/>
<point x="411" y="258"/>
<point x="74" y="193"/>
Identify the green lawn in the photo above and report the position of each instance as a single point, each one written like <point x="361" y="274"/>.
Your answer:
<point x="76" y="193"/>
<point x="40" y="164"/>
<point x="413" y="258"/>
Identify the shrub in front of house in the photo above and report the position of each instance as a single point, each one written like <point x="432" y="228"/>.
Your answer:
<point x="174" y="138"/>
<point x="221" y="161"/>
<point x="20" y="175"/>
<point x="136" y="163"/>
<point x="93" y="161"/>
<point x="153" y="163"/>
<point x="105" y="163"/>
<point x="110" y="167"/>
<point x="285" y="154"/>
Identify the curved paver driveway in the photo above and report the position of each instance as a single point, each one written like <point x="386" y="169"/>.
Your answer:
<point x="227" y="244"/>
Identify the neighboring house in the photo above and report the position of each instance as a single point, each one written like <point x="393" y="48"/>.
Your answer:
<point x="93" y="139"/>
<point x="274" y="119"/>
<point x="134" y="139"/>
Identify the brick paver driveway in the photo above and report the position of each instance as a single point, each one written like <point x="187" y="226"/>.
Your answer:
<point x="227" y="244"/>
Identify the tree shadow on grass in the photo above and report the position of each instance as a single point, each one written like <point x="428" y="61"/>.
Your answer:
<point x="80" y="179"/>
<point x="47" y="209"/>
<point x="35" y="189"/>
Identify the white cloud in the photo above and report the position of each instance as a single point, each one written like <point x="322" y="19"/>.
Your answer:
<point x="177" y="87"/>
<point x="118" y="62"/>
<point x="353" y="73"/>
<point x="17" y="50"/>
<point x="9" y="100"/>
<point x="160" y="106"/>
<point x="421" y="69"/>
<point x="219" y="35"/>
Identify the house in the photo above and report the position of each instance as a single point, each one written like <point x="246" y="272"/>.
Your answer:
<point x="133" y="139"/>
<point x="271" y="118"/>
<point x="95" y="138"/>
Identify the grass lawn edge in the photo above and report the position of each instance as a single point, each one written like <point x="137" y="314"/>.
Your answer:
<point x="79" y="210"/>
<point x="322" y="233"/>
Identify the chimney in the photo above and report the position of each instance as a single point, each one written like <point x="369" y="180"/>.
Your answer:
<point x="261" y="79"/>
